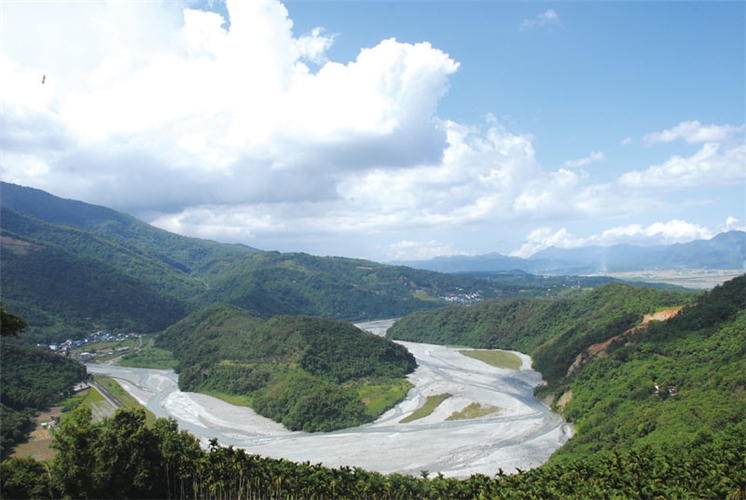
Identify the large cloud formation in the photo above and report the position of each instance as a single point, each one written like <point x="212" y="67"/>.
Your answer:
<point x="245" y="131"/>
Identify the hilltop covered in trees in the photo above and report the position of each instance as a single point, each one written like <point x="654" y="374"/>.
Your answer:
<point x="666" y="383"/>
<point x="70" y="267"/>
<point x="307" y="373"/>
<point x="552" y="331"/>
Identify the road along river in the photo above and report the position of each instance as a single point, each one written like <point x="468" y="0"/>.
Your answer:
<point x="523" y="434"/>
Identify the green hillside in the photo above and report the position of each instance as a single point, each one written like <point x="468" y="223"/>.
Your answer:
<point x="307" y="373"/>
<point x="123" y="274"/>
<point x="672" y="382"/>
<point x="669" y="382"/>
<point x="552" y="331"/>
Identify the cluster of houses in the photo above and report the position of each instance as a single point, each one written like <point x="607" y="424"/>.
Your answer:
<point x="462" y="298"/>
<point x="66" y="347"/>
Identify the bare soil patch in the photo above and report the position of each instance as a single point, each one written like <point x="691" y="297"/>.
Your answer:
<point x="40" y="439"/>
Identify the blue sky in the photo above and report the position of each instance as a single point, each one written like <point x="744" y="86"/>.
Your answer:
<point x="385" y="130"/>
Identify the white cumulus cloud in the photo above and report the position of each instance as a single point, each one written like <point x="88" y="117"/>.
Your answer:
<point x="710" y="166"/>
<point x="657" y="233"/>
<point x="248" y="131"/>
<point x="594" y="156"/>
<point x="694" y="132"/>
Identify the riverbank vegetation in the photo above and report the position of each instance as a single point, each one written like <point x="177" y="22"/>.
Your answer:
<point x="667" y="382"/>
<point x="552" y="331"/>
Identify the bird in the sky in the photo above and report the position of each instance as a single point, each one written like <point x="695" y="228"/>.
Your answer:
<point x="43" y="78"/>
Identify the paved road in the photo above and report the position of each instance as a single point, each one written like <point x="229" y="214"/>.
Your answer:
<point x="522" y="435"/>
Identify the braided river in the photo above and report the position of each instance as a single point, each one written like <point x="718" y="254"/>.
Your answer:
<point x="522" y="434"/>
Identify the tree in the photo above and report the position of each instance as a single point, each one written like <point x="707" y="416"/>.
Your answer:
<point x="10" y="324"/>
<point x="25" y="478"/>
<point x="72" y="467"/>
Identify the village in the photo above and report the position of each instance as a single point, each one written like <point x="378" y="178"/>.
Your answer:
<point x="97" y="346"/>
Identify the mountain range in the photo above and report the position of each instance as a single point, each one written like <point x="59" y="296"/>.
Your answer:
<point x="69" y="268"/>
<point x="726" y="251"/>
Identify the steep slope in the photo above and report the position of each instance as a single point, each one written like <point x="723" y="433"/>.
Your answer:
<point x="553" y="331"/>
<point x="672" y="382"/>
<point x="63" y="295"/>
<point x="682" y="380"/>
<point x="180" y="252"/>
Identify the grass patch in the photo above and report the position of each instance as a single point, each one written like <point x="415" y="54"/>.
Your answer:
<point x="499" y="359"/>
<point x="233" y="399"/>
<point x="474" y="410"/>
<point x="123" y="396"/>
<point x="150" y="357"/>
<point x="425" y="297"/>
<point x="380" y="397"/>
<point x="426" y="409"/>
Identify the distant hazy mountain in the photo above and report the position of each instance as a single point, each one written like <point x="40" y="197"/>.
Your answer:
<point x="724" y="251"/>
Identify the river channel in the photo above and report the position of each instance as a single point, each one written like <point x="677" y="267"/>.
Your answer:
<point x="522" y="434"/>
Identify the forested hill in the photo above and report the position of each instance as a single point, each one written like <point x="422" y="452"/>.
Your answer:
<point x="69" y="267"/>
<point x="308" y="373"/>
<point x="553" y="331"/>
<point x="678" y="381"/>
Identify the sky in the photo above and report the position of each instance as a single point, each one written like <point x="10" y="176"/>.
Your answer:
<point x="384" y="130"/>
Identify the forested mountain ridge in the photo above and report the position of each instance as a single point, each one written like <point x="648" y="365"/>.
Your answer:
<point x="305" y="372"/>
<point x="121" y="274"/>
<point x="133" y="265"/>
<point x="552" y="331"/>
<point x="674" y="381"/>
<point x="181" y="252"/>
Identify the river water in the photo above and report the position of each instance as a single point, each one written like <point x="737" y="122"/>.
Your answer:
<point x="523" y="434"/>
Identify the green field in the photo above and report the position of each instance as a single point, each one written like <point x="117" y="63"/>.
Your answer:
<point x="426" y="409"/>
<point x="474" y="410"/>
<point x="149" y="357"/>
<point x="123" y="396"/>
<point x="499" y="359"/>
<point x="379" y="398"/>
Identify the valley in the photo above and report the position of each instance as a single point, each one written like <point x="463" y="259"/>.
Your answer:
<point x="523" y="434"/>
<point x="650" y="403"/>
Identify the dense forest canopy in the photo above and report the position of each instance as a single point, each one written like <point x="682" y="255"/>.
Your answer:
<point x="552" y="331"/>
<point x="305" y="372"/>
<point x="668" y="383"/>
